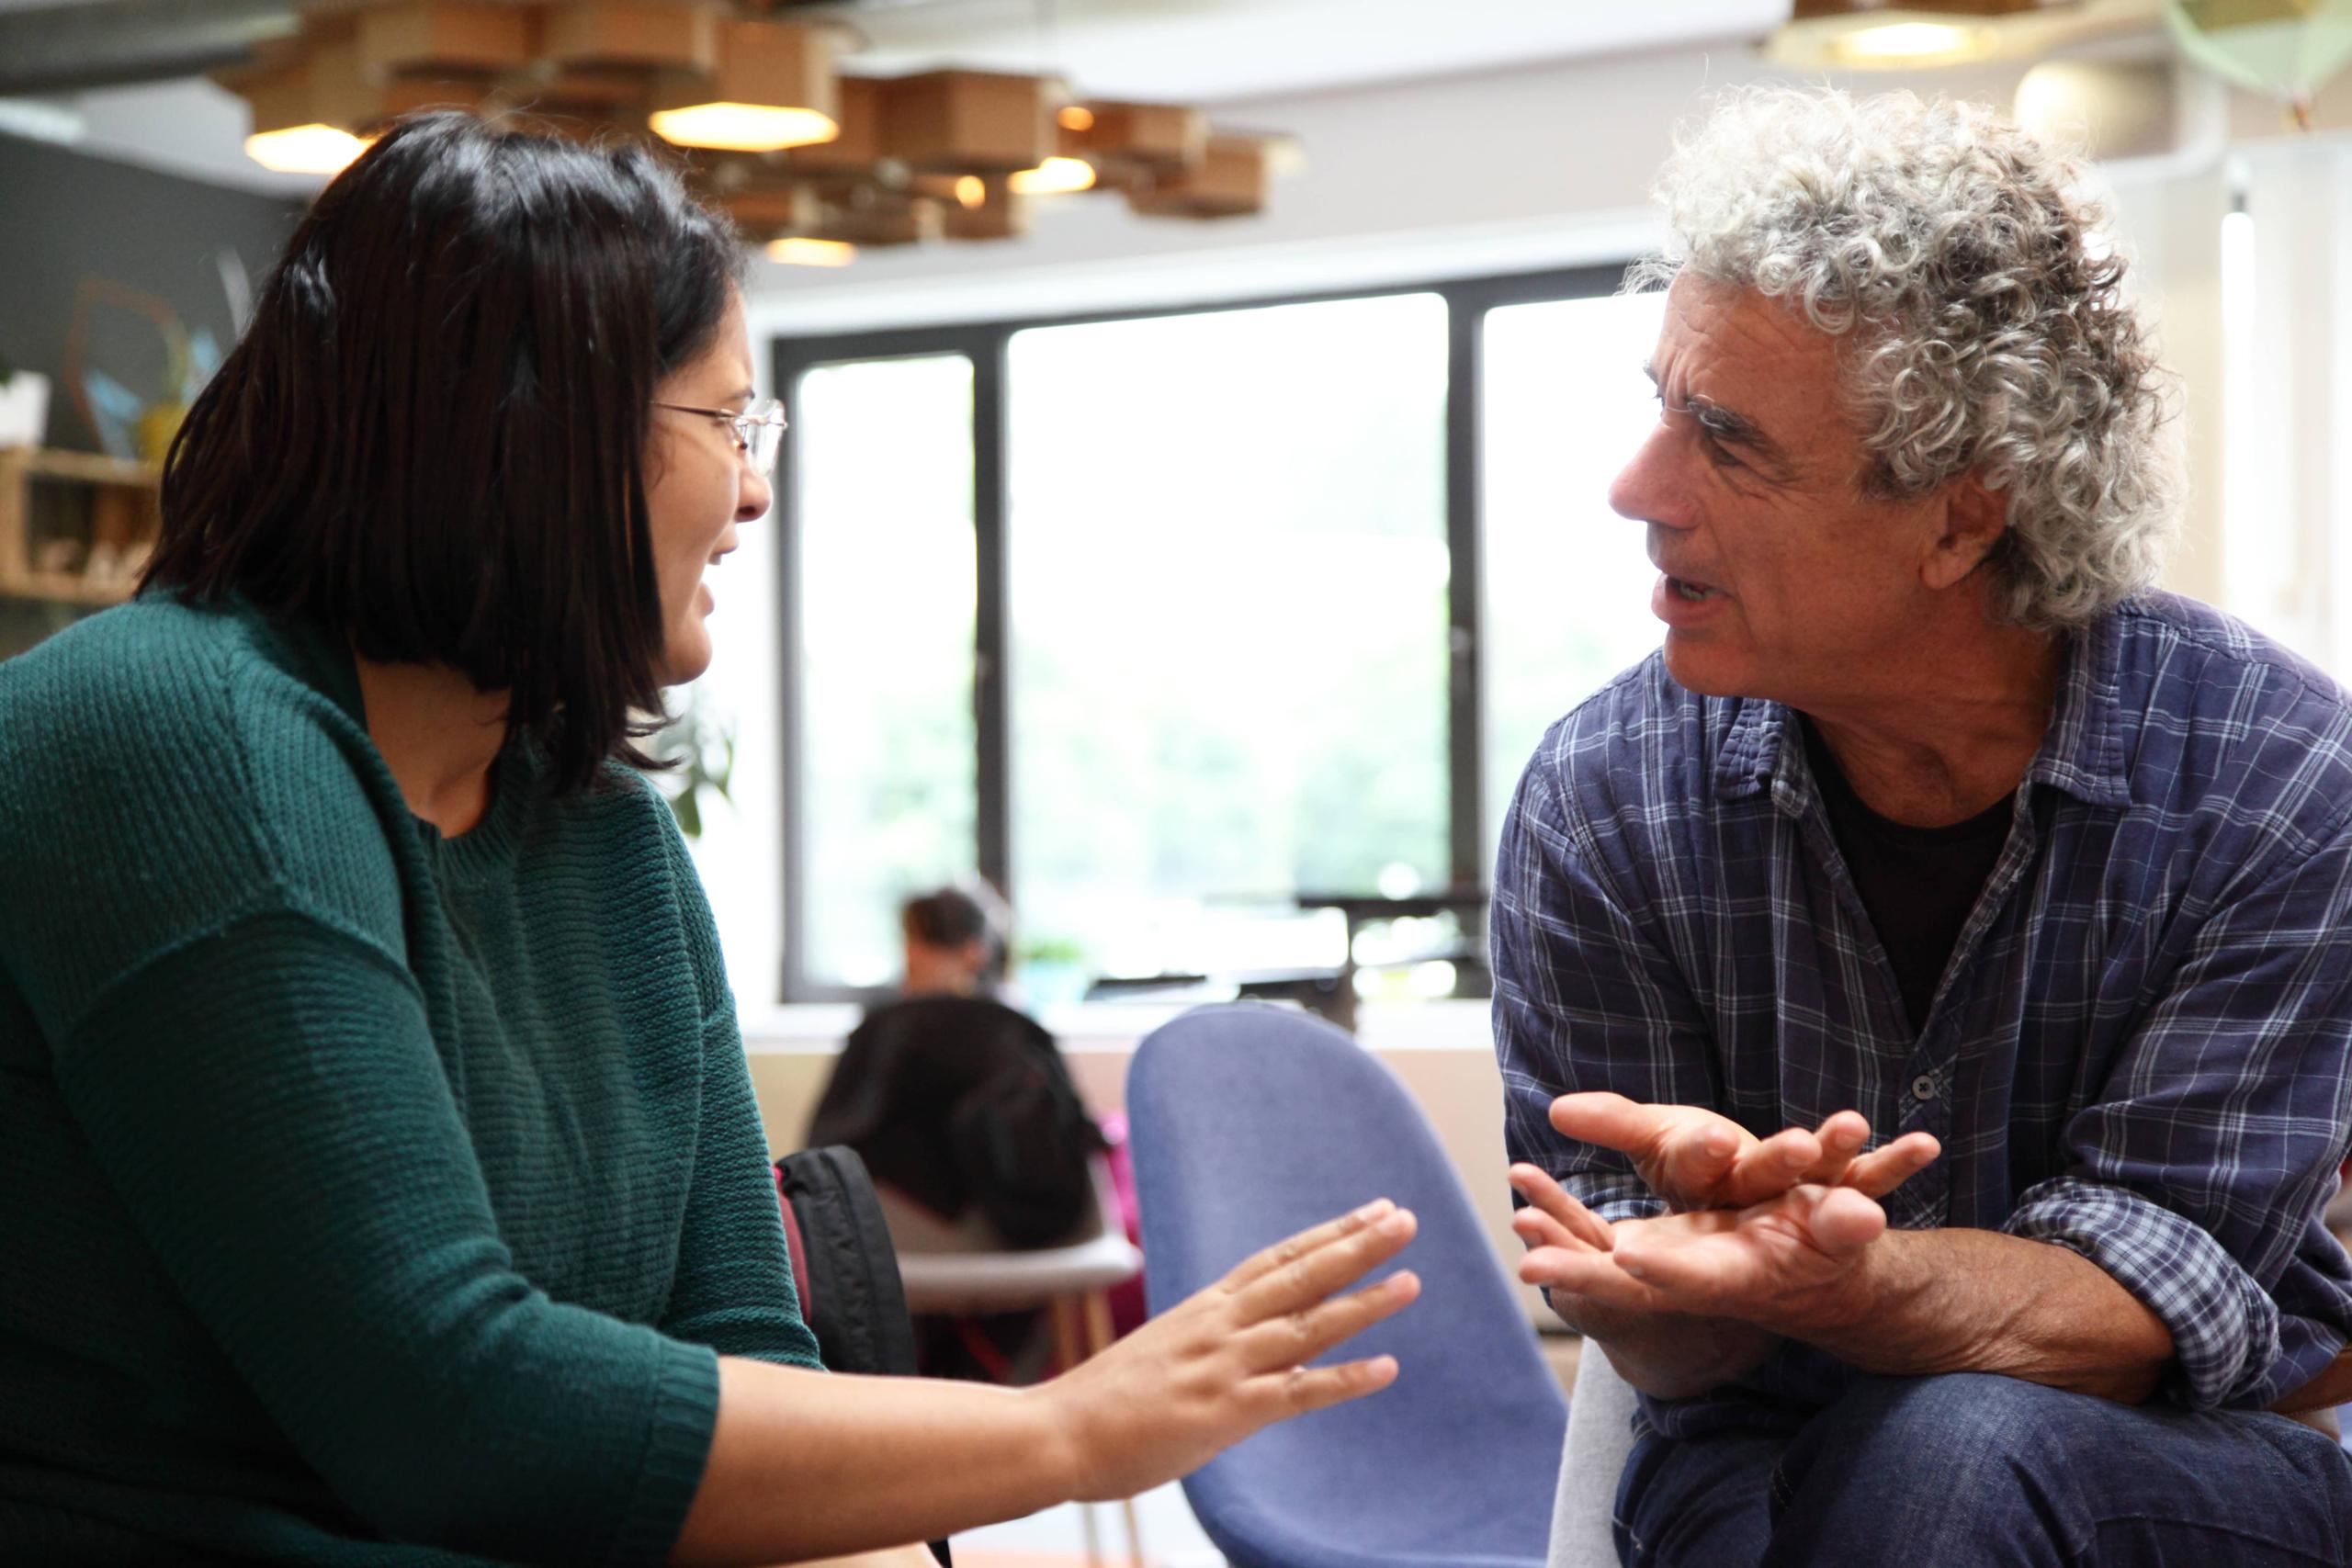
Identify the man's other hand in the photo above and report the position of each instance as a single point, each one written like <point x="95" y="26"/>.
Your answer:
<point x="1775" y="1264"/>
<point x="1695" y="1158"/>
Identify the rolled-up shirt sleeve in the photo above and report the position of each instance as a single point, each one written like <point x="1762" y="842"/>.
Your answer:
<point x="2225" y="1326"/>
<point x="2197" y="1177"/>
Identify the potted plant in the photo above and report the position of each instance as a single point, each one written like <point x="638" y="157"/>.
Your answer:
<point x="24" y="405"/>
<point x="701" y="747"/>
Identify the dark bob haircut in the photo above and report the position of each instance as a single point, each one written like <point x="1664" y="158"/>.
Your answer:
<point x="431" y="438"/>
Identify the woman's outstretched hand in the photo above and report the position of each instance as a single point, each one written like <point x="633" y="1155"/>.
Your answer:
<point x="806" y="1466"/>
<point x="1214" y="1369"/>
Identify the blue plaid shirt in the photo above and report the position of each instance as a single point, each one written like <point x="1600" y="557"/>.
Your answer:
<point x="2141" y="1049"/>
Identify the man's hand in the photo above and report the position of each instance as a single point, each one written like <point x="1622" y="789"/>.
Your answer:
<point x="1683" y="1302"/>
<point x="1696" y="1159"/>
<point x="1764" y="1230"/>
<point x="1666" y="1354"/>
<point x="1773" y="1264"/>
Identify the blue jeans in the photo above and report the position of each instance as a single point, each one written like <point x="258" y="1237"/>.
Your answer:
<point x="1972" y="1469"/>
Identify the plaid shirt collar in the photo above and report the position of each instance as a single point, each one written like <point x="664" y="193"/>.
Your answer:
<point x="2081" y="755"/>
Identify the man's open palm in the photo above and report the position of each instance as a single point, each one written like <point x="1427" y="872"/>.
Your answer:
<point x="1758" y="1264"/>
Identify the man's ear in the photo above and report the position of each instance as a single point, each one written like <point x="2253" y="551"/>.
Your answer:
<point x="1973" y="520"/>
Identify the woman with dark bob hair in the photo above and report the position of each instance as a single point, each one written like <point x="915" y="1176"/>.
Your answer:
<point x="379" y="1177"/>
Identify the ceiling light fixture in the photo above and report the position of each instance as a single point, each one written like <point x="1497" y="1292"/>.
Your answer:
<point x="295" y="129"/>
<point x="1887" y="35"/>
<point x="773" y="89"/>
<point x="791" y="149"/>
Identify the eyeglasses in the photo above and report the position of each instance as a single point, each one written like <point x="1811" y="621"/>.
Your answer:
<point x="758" y="430"/>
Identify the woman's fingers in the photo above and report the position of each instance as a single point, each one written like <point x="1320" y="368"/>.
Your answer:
<point x="1552" y="1200"/>
<point x="1291" y="1248"/>
<point x="1298" y="1337"/>
<point x="1881" y="1171"/>
<point x="1301" y="1390"/>
<point x="1228" y="1359"/>
<point x="1293" y="1275"/>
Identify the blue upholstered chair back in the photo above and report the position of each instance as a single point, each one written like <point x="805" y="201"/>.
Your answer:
<point x="1251" y="1122"/>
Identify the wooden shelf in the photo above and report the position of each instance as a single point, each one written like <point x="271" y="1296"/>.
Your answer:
<point x="90" y="467"/>
<point x="67" y="588"/>
<point x="89" y="500"/>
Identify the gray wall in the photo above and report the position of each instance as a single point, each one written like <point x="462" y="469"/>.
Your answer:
<point x="65" y="216"/>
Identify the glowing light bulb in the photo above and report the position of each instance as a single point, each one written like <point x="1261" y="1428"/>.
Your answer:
<point x="1055" y="176"/>
<point x="1075" y="117"/>
<point x="742" y="128"/>
<point x="971" y="191"/>
<point x="304" y="149"/>
<point x="795" y="251"/>
<point x="1911" y="44"/>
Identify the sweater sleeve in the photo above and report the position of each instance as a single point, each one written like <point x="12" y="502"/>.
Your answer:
<point x="268" y="1102"/>
<point x="734" y="1289"/>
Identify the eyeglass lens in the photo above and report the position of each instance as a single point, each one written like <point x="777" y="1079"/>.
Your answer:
<point x="763" y="435"/>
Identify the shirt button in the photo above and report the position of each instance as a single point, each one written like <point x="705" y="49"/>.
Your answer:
<point x="1923" y="1087"/>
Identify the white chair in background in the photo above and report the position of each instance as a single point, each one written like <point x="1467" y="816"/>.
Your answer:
<point x="961" y="1267"/>
<point x="1600" y="1441"/>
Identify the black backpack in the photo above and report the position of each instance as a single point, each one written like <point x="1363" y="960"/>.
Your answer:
<point x="845" y="1268"/>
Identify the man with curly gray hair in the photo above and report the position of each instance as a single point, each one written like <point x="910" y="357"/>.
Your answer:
<point x="1924" y="988"/>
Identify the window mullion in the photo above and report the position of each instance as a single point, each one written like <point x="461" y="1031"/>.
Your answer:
<point x="991" y="682"/>
<point x="1466" y="579"/>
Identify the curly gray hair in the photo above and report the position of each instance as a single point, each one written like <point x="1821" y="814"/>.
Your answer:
<point x="1990" y="330"/>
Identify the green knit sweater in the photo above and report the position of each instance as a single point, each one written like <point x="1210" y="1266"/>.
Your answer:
<point x="366" y="1197"/>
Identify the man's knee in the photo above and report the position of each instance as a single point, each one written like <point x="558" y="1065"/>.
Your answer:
<point x="1999" y="1471"/>
<point x="1955" y="1445"/>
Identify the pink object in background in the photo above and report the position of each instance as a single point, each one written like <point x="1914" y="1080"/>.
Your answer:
<point x="1128" y="1309"/>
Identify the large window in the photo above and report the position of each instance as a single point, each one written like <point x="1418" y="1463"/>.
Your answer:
<point x="1177" y="626"/>
<point x="1567" y="580"/>
<point x="1227" y="587"/>
<point x="885" y="579"/>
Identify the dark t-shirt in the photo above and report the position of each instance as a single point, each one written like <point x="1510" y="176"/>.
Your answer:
<point x="1918" y="884"/>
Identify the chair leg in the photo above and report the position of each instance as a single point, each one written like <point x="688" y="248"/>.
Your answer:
<point x="1094" y="1536"/>
<point x="1135" y="1535"/>
<point x="1098" y="1339"/>
<point x="1068" y="1350"/>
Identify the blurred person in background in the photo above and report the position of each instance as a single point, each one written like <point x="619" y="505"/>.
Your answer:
<point x="956" y="940"/>
<point x="962" y="1106"/>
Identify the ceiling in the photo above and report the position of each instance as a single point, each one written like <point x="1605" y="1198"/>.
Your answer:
<point x="1198" y="50"/>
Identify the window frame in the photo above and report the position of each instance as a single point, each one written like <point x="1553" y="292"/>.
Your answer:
<point x="987" y="347"/>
